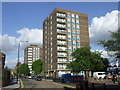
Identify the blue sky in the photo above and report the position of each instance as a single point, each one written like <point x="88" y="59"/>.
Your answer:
<point x="31" y="15"/>
<point x="19" y="15"/>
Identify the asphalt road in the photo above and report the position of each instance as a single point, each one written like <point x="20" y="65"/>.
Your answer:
<point x="30" y="83"/>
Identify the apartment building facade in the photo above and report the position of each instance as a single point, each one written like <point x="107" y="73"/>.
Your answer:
<point x="63" y="32"/>
<point x="31" y="54"/>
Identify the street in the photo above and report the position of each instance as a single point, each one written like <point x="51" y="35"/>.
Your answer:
<point x="30" y="83"/>
<point x="49" y="84"/>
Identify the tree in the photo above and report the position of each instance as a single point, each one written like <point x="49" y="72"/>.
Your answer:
<point x="23" y="69"/>
<point x="37" y="67"/>
<point x="86" y="60"/>
<point x="112" y="45"/>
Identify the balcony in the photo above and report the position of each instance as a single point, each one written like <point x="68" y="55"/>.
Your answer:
<point x="61" y="37"/>
<point x="61" y="15"/>
<point x="61" y="48"/>
<point x="61" y="42"/>
<point x="61" y="26"/>
<point x="61" y="55"/>
<point x="62" y="62"/>
<point x="61" y="20"/>
<point x="61" y="31"/>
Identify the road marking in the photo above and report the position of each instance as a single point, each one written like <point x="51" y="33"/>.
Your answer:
<point x="64" y="85"/>
<point x="21" y="83"/>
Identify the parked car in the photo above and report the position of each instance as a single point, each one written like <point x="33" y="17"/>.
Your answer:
<point x="38" y="78"/>
<point x="34" y="77"/>
<point x="99" y="75"/>
<point x="29" y="77"/>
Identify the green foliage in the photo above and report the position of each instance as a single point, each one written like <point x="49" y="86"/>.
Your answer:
<point x="37" y="67"/>
<point x="23" y="69"/>
<point x="113" y="44"/>
<point x="86" y="60"/>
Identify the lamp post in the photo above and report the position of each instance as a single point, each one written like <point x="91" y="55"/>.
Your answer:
<point x="19" y="58"/>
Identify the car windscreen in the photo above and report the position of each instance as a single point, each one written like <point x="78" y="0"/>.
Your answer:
<point x="100" y="73"/>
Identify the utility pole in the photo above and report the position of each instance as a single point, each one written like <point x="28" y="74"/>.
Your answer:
<point x="19" y="58"/>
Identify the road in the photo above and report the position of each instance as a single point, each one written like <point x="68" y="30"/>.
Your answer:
<point x="30" y="83"/>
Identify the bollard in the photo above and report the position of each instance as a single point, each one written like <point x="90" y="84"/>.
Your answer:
<point x="93" y="86"/>
<point x="80" y="86"/>
<point x="104" y="86"/>
<point x="86" y="85"/>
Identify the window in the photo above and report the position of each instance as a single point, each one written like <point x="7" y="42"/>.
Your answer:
<point x="51" y="17"/>
<point x="73" y="20"/>
<point x="45" y="27"/>
<point x="68" y="15"/>
<point x="29" y="58"/>
<point x="46" y="23"/>
<point x="70" y="47"/>
<point x="77" y="21"/>
<point x="51" y="22"/>
<point x="78" y="44"/>
<point x="29" y="53"/>
<point x="68" y="19"/>
<point x="29" y="48"/>
<point x="51" y="43"/>
<point x="69" y="38"/>
<point x="72" y="15"/>
<point x="77" y="17"/>
<point x="69" y="32"/>
<point x="77" y="26"/>
<point x="69" y="43"/>
<point x="51" y="28"/>
<point x="51" y="33"/>
<point x="74" y="38"/>
<point x="68" y="25"/>
<point x="74" y="47"/>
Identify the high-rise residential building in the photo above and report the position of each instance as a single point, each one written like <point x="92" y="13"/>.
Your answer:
<point x="63" y="32"/>
<point x="31" y="54"/>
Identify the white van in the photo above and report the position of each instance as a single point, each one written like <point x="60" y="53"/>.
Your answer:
<point x="99" y="75"/>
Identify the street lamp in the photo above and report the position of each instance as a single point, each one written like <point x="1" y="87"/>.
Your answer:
<point x="19" y="57"/>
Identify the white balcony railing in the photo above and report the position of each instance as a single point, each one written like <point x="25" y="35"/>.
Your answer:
<point x="62" y="48"/>
<point x="60" y="14"/>
<point x="61" y="37"/>
<point x="61" y="42"/>
<point x="61" y="25"/>
<point x="62" y="61"/>
<point x="61" y="54"/>
<point x="61" y="31"/>
<point x="61" y="20"/>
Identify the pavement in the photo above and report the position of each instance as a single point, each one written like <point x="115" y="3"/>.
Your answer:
<point x="12" y="85"/>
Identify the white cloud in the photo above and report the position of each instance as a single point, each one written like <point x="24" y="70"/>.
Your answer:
<point x="109" y="55"/>
<point x="34" y="36"/>
<point x="100" y="27"/>
<point x="10" y="43"/>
